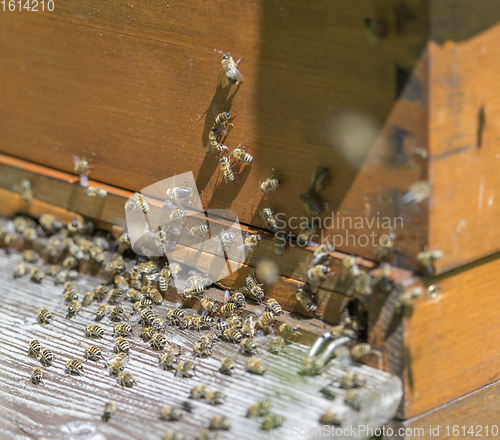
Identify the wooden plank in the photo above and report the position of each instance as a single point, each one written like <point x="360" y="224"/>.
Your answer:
<point x="134" y="82"/>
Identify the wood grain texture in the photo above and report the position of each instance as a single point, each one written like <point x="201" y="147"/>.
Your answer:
<point x="125" y="87"/>
<point x="74" y="405"/>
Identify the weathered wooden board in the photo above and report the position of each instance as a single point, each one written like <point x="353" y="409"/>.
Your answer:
<point x="64" y="406"/>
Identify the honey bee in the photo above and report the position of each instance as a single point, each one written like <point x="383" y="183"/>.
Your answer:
<point x="360" y="350"/>
<point x="315" y="275"/>
<point x="288" y="330"/>
<point x="126" y="379"/>
<point x="255" y="366"/>
<point x="46" y="357"/>
<point x="101" y="312"/>
<point x="385" y="248"/>
<point x="93" y="353"/>
<point x="158" y="341"/>
<point x="168" y="361"/>
<point x="34" y="348"/>
<point x="95" y="331"/>
<point x="156" y="296"/>
<point x="70" y="295"/>
<point x="383" y="281"/>
<point x="306" y="301"/>
<point x="407" y="298"/>
<point x="268" y="216"/>
<point x="93" y="191"/>
<point x="101" y="292"/>
<point x="259" y="409"/>
<point x="36" y="376"/>
<point x="81" y="166"/>
<point x="215" y="397"/>
<point x="213" y="143"/>
<point x="352" y="379"/>
<point x="123" y="330"/>
<point x="220" y="422"/>
<point x="37" y="274"/>
<point x="175" y="268"/>
<point x="87" y="299"/>
<point x="121" y="345"/>
<point x="237" y="298"/>
<point x="30" y="235"/>
<point x="209" y="305"/>
<point x="429" y="257"/>
<point x="199" y="230"/>
<point x="228" y="309"/>
<point x="272" y="421"/>
<point x="311" y="204"/>
<point x="173" y="435"/>
<point x="174" y="349"/>
<point x="202" y="321"/>
<point x="49" y="223"/>
<point x="109" y="410"/>
<point x="171" y="413"/>
<point x="69" y="262"/>
<point x="26" y="191"/>
<point x="186" y="369"/>
<point x="203" y="349"/>
<point x="30" y="256"/>
<point x="147" y="333"/>
<point x="20" y="270"/>
<point x="235" y="321"/>
<point x="116" y="367"/>
<point x="418" y="192"/>
<point x="116" y="313"/>
<point x="317" y="180"/>
<point x="232" y="335"/>
<point x="222" y="326"/>
<point x="255" y="288"/>
<point x="279" y="242"/>
<point x="248" y="327"/>
<point x="227" y="366"/>
<point x="177" y="215"/>
<point x="273" y="306"/>
<point x="270" y="184"/>
<point x="198" y="392"/>
<point x="73" y="308"/>
<point x="164" y="278"/>
<point x="175" y="315"/>
<point x="44" y="316"/>
<point x="330" y="418"/>
<point x="241" y="155"/>
<point x="248" y="346"/>
<point x="203" y="434"/>
<point x="230" y="68"/>
<point x="139" y="199"/>
<point x="225" y="166"/>
<point x="266" y="320"/>
<point x="74" y="226"/>
<point x="276" y="345"/>
<point x="74" y="367"/>
<point x="121" y="284"/>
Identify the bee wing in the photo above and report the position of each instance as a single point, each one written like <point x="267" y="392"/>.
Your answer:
<point x="84" y="181"/>
<point x="224" y="80"/>
<point x="76" y="160"/>
<point x="227" y="296"/>
<point x="209" y="145"/>
<point x="239" y="76"/>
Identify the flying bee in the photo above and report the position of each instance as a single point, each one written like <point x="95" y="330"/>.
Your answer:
<point x="37" y="274"/>
<point x="306" y="301"/>
<point x="330" y="418"/>
<point x="123" y="330"/>
<point x="168" y="361"/>
<point x="288" y="331"/>
<point x="215" y="397"/>
<point x="352" y="379"/>
<point x="74" y="367"/>
<point x="232" y="335"/>
<point x="248" y="346"/>
<point x="248" y="327"/>
<point x="93" y="191"/>
<point x="227" y="366"/>
<point x="171" y="413"/>
<point x="203" y="349"/>
<point x="158" y="341"/>
<point x="186" y="369"/>
<point x="73" y="308"/>
<point x="268" y="216"/>
<point x="141" y="201"/>
<point x="81" y="166"/>
<point x="272" y="421"/>
<point x="94" y="331"/>
<point x="26" y="191"/>
<point x="69" y="262"/>
<point x="276" y="345"/>
<point x="93" y="353"/>
<point x="109" y="410"/>
<point x="116" y="313"/>
<point x="241" y="155"/>
<point x="266" y="320"/>
<point x="270" y="184"/>
<point x="46" y="357"/>
<point x="20" y="270"/>
<point x="121" y="345"/>
<point x="175" y="315"/>
<point x="177" y="215"/>
<point x="220" y="421"/>
<point x="429" y="257"/>
<point x="34" y="348"/>
<point x="198" y="392"/>
<point x="227" y="172"/>
<point x="44" y="316"/>
<point x="237" y="298"/>
<point x="116" y="367"/>
<point x="311" y="204"/>
<point x="126" y="379"/>
<point x="279" y="242"/>
<point x="199" y="230"/>
<point x="235" y="321"/>
<point x="200" y="322"/>
<point x="36" y="376"/>
<point x="255" y="288"/>
<point x="259" y="409"/>
<point x="230" y="68"/>
<point x="101" y="312"/>
<point x="273" y="306"/>
<point x="213" y="143"/>
<point x="209" y="305"/>
<point x="228" y="309"/>
<point x="255" y="366"/>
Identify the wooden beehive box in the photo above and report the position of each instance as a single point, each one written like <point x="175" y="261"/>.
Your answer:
<point x="136" y="87"/>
